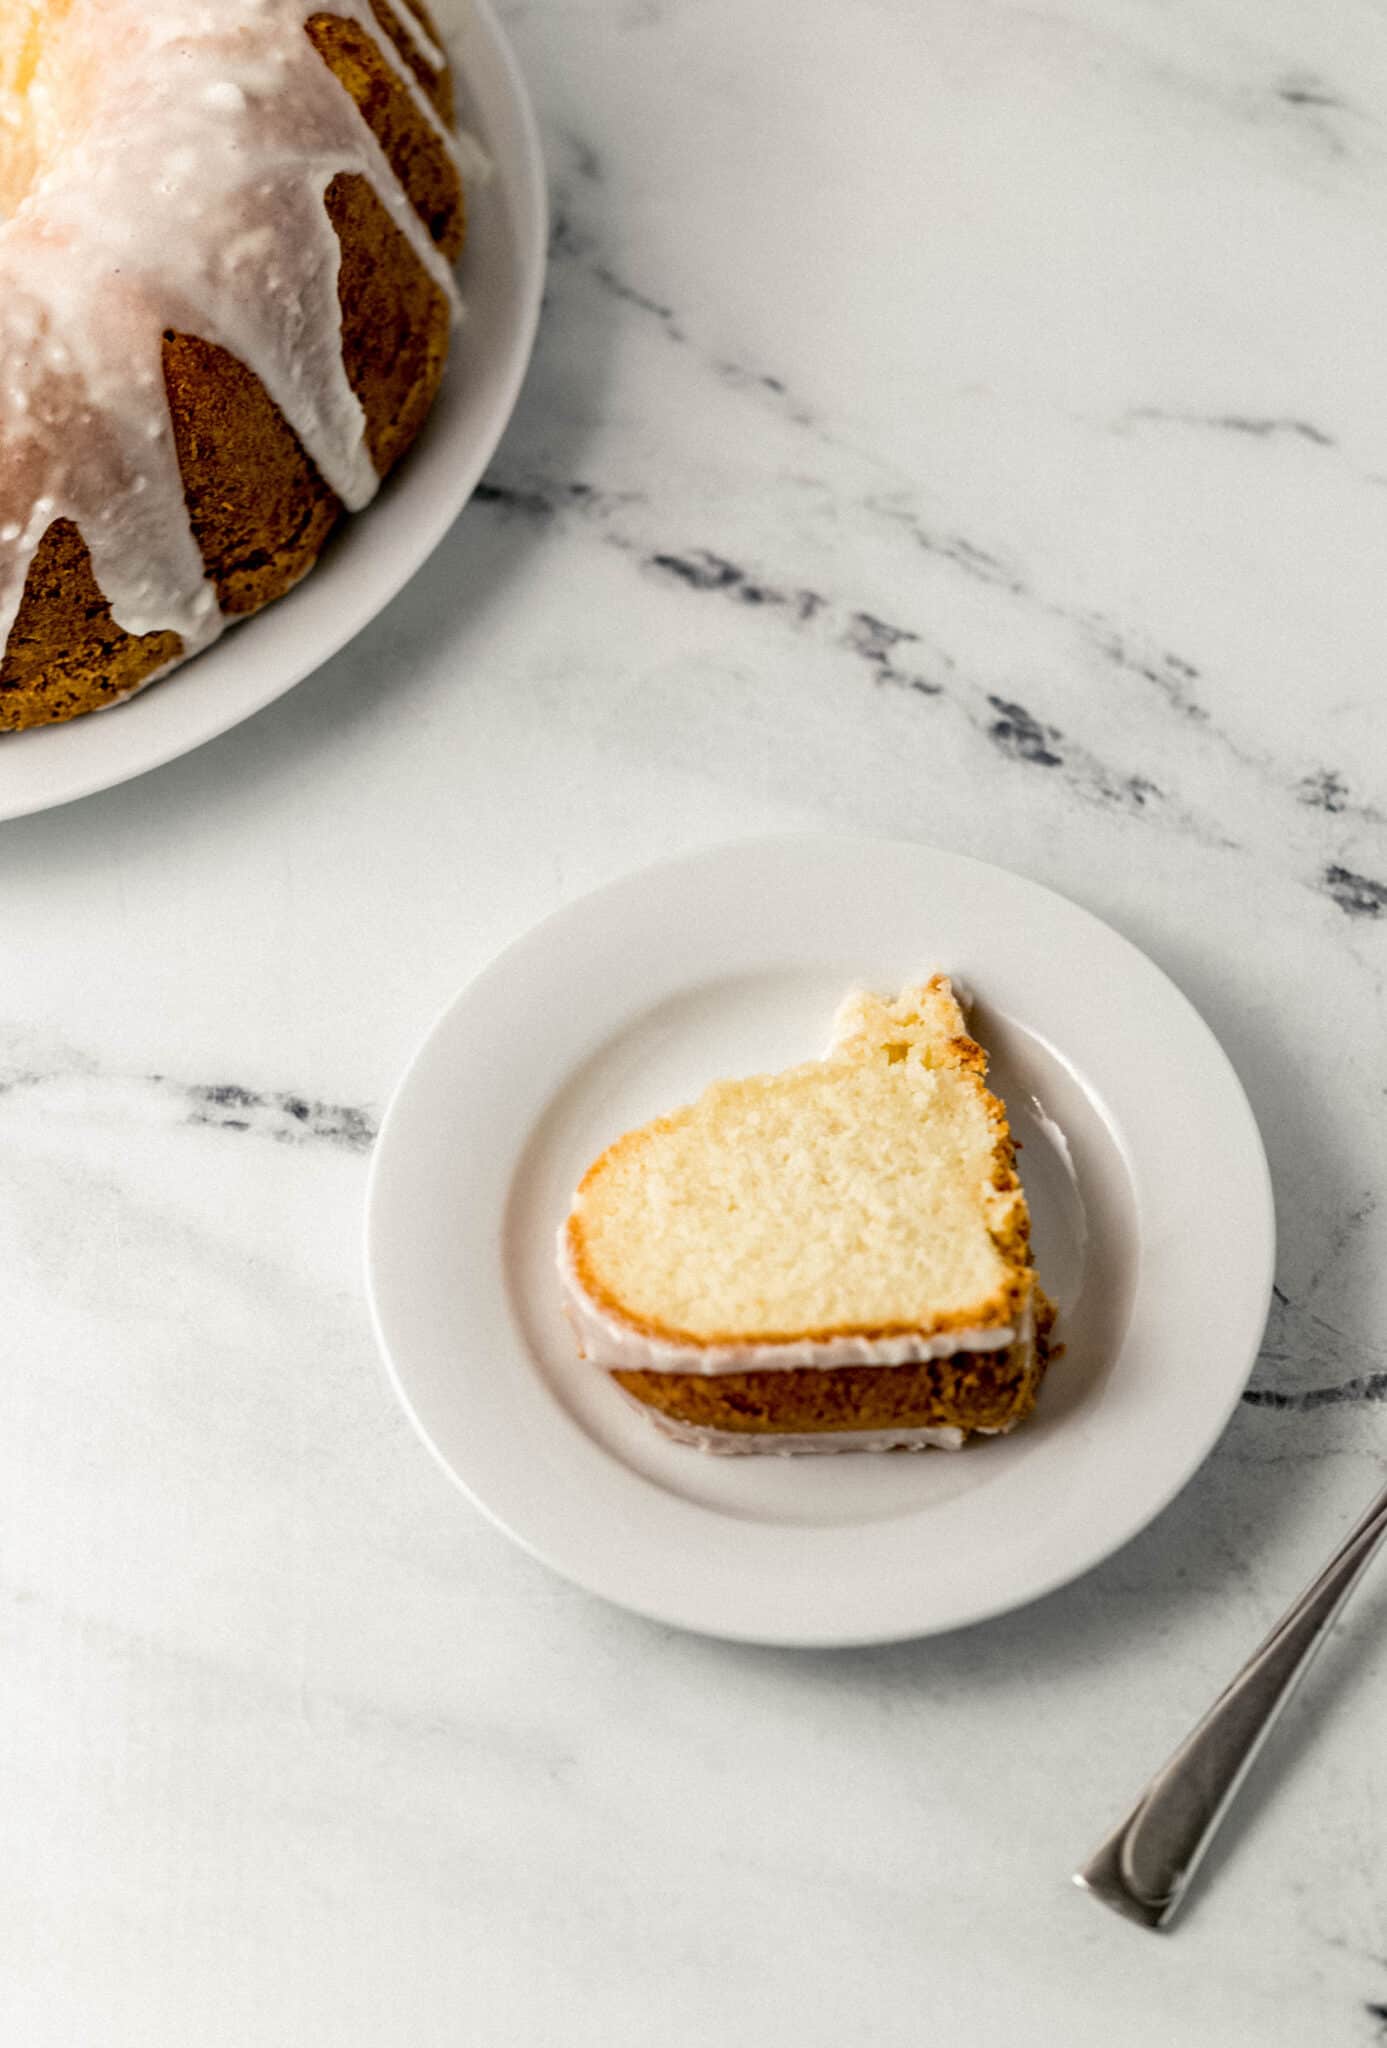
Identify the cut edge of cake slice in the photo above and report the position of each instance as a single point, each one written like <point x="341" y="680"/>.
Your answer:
<point x="908" y="1379"/>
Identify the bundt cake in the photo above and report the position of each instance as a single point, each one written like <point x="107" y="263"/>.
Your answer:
<point x="227" y="231"/>
<point x="833" y="1258"/>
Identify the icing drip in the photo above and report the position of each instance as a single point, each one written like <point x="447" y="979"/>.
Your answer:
<point x="408" y="78"/>
<point x="178" y="156"/>
<point x="420" y="37"/>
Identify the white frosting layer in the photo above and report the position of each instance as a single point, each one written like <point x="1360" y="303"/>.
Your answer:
<point x="619" y="1346"/>
<point x="187" y="194"/>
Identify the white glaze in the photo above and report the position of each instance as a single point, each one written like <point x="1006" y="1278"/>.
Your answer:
<point x="191" y="199"/>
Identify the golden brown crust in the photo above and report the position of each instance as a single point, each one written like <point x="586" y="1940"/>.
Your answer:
<point x="66" y="654"/>
<point x="395" y="320"/>
<point x="411" y="146"/>
<point x="259" y="510"/>
<point x="987" y="1390"/>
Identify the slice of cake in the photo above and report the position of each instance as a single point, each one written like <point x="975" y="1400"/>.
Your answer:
<point x="832" y="1258"/>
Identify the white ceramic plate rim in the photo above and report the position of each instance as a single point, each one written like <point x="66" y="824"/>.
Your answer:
<point x="373" y="557"/>
<point x="1206" y="1238"/>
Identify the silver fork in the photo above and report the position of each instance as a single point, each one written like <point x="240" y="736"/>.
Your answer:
<point x="1144" y="1867"/>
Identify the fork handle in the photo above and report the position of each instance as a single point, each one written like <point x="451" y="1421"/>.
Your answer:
<point x="1145" y="1865"/>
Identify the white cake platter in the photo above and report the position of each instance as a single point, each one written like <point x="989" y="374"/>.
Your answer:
<point x="373" y="557"/>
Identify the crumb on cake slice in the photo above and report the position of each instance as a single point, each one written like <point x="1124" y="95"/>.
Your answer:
<point x="833" y="1256"/>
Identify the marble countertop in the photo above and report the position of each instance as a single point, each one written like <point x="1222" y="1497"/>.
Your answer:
<point x="950" y="419"/>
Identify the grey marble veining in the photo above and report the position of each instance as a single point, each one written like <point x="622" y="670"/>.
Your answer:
<point x="961" y="422"/>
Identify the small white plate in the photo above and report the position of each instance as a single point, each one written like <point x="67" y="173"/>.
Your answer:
<point x="1147" y="1179"/>
<point x="374" y="556"/>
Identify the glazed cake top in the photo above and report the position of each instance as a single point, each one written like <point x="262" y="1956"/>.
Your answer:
<point x="163" y="165"/>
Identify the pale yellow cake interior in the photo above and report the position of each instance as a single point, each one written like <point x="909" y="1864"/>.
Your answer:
<point x="855" y="1193"/>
